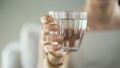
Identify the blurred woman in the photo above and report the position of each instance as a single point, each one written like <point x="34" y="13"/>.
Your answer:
<point x="102" y="15"/>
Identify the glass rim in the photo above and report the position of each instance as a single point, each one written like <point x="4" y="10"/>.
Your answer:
<point x="67" y="11"/>
<point x="74" y="15"/>
<point x="70" y="18"/>
<point x="71" y="12"/>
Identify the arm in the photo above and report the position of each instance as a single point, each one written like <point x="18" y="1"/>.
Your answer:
<point x="50" y="55"/>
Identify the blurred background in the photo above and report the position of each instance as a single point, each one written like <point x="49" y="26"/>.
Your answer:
<point x="14" y="13"/>
<point x="101" y="48"/>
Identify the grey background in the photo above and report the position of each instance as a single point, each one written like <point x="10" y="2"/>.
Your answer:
<point x="99" y="49"/>
<point x="14" y="13"/>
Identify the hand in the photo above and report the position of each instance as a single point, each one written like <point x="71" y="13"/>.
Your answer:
<point x="52" y="49"/>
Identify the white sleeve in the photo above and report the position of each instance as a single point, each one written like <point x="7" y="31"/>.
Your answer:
<point x="11" y="56"/>
<point x="29" y="38"/>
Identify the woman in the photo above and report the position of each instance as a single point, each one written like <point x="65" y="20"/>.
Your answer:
<point x="102" y="15"/>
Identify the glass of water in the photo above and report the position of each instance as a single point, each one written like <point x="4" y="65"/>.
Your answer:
<point x="72" y="26"/>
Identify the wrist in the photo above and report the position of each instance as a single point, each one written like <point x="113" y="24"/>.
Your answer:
<point x="53" y="65"/>
<point x="55" y="61"/>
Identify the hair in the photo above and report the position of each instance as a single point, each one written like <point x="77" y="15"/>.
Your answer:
<point x="119" y="2"/>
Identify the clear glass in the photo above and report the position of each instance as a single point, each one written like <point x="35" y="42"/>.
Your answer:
<point x="72" y="27"/>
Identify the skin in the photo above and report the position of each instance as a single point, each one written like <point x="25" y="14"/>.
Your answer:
<point x="53" y="55"/>
<point x="102" y="15"/>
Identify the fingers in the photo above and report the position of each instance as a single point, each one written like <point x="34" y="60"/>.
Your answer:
<point x="52" y="41"/>
<point x="51" y="33"/>
<point x="58" y="38"/>
<point x="53" y="45"/>
<point x="47" y="19"/>
<point x="57" y="47"/>
<point x="53" y="38"/>
<point x="53" y="48"/>
<point x="48" y="24"/>
<point x="51" y="27"/>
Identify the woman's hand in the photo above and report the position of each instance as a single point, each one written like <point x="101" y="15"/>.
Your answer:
<point x="51" y="41"/>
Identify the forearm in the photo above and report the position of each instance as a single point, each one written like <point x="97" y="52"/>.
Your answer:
<point x="50" y="59"/>
<point x="43" y="61"/>
<point x="46" y="64"/>
<point x="57" y="61"/>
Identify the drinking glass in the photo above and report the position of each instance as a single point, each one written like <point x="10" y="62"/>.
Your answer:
<point x="72" y="26"/>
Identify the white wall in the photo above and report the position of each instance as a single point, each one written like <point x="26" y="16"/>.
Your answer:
<point x="13" y="13"/>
